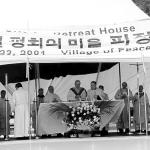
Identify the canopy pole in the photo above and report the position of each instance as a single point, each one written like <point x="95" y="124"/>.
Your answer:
<point x="129" y="121"/>
<point x="119" y="75"/>
<point x="37" y="78"/>
<point x="28" y="77"/>
<point x="98" y="72"/>
<point x="35" y="102"/>
<point x="145" y="108"/>
<point x="139" y="97"/>
<point x="145" y="105"/>
<point x="37" y="86"/>
<point x="137" y="67"/>
<point x="38" y="74"/>
<point x="6" y="108"/>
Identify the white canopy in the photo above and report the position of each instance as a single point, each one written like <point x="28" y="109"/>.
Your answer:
<point x="45" y="14"/>
<point x="81" y="18"/>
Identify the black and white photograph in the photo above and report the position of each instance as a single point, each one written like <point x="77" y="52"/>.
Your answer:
<point x="75" y="75"/>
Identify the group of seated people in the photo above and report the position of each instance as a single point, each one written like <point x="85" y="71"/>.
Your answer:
<point x="76" y="93"/>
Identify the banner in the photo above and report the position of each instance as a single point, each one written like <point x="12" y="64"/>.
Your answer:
<point x="126" y="40"/>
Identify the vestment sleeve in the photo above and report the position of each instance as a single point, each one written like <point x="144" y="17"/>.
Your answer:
<point x="147" y="99"/>
<point x="118" y="94"/>
<point x="58" y="98"/>
<point x="70" y="96"/>
<point x="13" y="101"/>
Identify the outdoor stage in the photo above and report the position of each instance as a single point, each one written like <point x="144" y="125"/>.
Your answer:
<point x="94" y="143"/>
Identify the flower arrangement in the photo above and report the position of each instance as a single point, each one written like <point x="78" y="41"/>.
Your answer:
<point x="85" y="116"/>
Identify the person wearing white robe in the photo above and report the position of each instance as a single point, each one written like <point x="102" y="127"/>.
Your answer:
<point x="91" y="93"/>
<point x="102" y="95"/>
<point x="50" y="96"/>
<point x="77" y="93"/>
<point x="125" y="95"/>
<point x="21" y="120"/>
<point x="96" y="93"/>
<point x="140" y="98"/>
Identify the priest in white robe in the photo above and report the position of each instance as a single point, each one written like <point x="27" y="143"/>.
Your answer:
<point x="96" y="93"/>
<point x="91" y="93"/>
<point x="77" y="93"/>
<point x="140" y="100"/>
<point x="21" y="120"/>
<point x="124" y="94"/>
